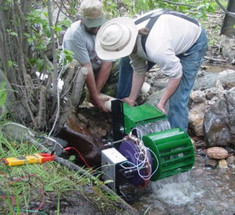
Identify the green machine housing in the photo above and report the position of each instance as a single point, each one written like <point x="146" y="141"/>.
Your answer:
<point x="172" y="150"/>
<point x="140" y="115"/>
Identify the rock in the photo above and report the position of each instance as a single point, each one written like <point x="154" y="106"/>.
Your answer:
<point x="202" y="152"/>
<point x="227" y="48"/>
<point x="231" y="160"/>
<point x="219" y="121"/>
<point x="227" y="78"/>
<point x="155" y="97"/>
<point x="212" y="101"/>
<point x="217" y="153"/>
<point x="211" y="163"/>
<point x="198" y="172"/>
<point x="200" y="144"/>
<point x="210" y="79"/>
<point x="197" y="96"/>
<point x="196" y="117"/>
<point x="223" y="164"/>
<point x="205" y="80"/>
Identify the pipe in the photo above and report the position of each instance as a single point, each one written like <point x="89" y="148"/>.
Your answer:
<point x="145" y="89"/>
<point x="107" y="103"/>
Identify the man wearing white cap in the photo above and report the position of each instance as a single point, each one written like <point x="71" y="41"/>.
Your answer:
<point x="80" y="39"/>
<point x="174" y="41"/>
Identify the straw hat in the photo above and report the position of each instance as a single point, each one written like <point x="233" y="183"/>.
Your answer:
<point x="92" y="13"/>
<point x="116" y="38"/>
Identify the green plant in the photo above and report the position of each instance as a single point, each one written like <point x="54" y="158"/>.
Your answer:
<point x="58" y="205"/>
<point x="199" y="8"/>
<point x="31" y="182"/>
<point x="3" y="94"/>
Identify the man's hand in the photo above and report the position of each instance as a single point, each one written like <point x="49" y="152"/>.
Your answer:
<point x="99" y="102"/>
<point x="170" y="89"/>
<point x="129" y="101"/>
<point x="161" y="107"/>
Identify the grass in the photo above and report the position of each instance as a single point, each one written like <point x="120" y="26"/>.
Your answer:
<point x="28" y="187"/>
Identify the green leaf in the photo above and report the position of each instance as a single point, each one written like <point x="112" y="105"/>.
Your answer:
<point x="3" y="98"/>
<point x="30" y="40"/>
<point x="10" y="63"/>
<point x="13" y="33"/>
<point x="3" y="94"/>
<point x="57" y="29"/>
<point x="108" y="181"/>
<point x="72" y="158"/>
<point x="49" y="189"/>
<point x="65" y="23"/>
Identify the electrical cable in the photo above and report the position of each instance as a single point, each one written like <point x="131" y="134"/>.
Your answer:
<point x="80" y="155"/>
<point x="141" y="155"/>
<point x="145" y="149"/>
<point x="11" y="131"/>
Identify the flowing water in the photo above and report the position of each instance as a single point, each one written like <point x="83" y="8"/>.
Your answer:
<point x="200" y="191"/>
<point x="153" y="127"/>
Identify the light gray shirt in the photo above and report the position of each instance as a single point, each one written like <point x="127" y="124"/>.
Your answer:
<point x="82" y="44"/>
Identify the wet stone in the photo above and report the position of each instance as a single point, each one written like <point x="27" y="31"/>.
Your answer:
<point x="198" y="172"/>
<point x="217" y="153"/>
<point x="223" y="164"/>
<point x="211" y="163"/>
<point x="231" y="160"/>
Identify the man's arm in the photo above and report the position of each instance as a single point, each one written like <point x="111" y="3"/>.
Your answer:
<point x="91" y="84"/>
<point x="103" y="75"/>
<point x="171" y="87"/>
<point x="137" y="82"/>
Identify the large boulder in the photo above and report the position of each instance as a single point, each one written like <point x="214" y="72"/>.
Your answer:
<point x="200" y="102"/>
<point x="219" y="122"/>
<point x="228" y="48"/>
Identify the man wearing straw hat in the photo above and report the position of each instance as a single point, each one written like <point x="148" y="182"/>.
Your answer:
<point x="174" y="41"/>
<point x="80" y="39"/>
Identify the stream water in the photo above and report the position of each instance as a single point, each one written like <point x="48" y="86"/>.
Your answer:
<point x="200" y="191"/>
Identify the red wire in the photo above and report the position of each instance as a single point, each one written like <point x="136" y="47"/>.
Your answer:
<point x="80" y="155"/>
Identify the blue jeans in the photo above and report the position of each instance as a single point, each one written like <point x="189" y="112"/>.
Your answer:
<point x="178" y="103"/>
<point x="125" y="77"/>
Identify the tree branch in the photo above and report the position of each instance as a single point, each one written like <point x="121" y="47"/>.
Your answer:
<point x="232" y="14"/>
<point x="178" y="4"/>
